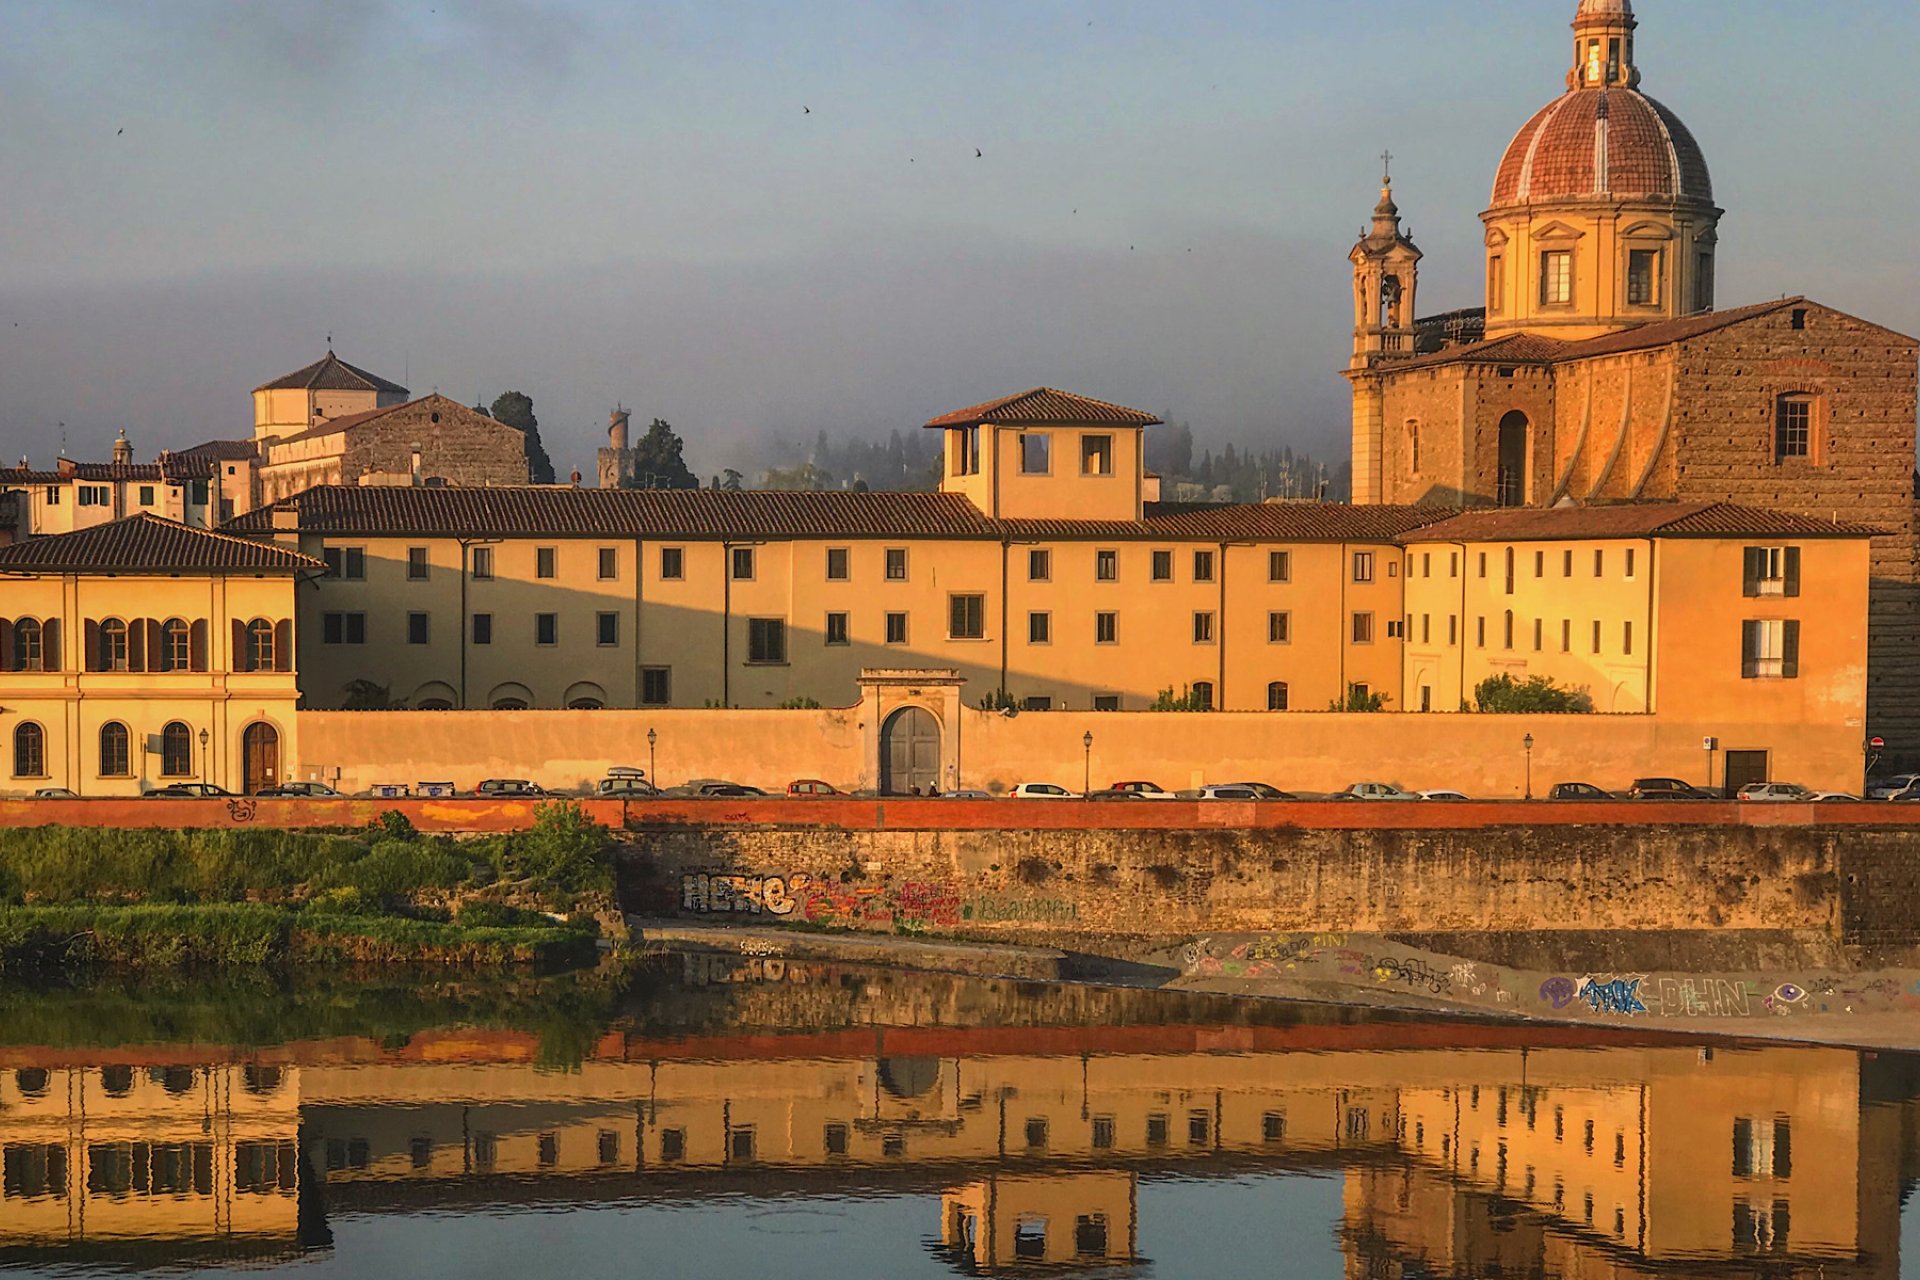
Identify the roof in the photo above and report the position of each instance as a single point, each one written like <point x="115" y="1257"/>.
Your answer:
<point x="1602" y="142"/>
<point x="347" y="422"/>
<point x="225" y="450"/>
<point x="149" y="544"/>
<point x="171" y="467"/>
<point x="1533" y="348"/>
<point x="331" y="373"/>
<point x="1632" y="520"/>
<point x="1242" y="522"/>
<point x="1045" y="406"/>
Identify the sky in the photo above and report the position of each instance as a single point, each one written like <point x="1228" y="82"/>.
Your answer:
<point x="769" y="218"/>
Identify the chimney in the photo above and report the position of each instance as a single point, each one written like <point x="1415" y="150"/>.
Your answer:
<point x="122" y="448"/>
<point x="576" y="477"/>
<point x="286" y="526"/>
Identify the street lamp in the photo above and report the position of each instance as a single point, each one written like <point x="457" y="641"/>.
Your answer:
<point x="204" y="736"/>
<point x="1527" y="743"/>
<point x="653" y="775"/>
<point x="1086" y="784"/>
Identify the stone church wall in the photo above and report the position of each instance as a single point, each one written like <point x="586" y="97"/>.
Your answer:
<point x="455" y="443"/>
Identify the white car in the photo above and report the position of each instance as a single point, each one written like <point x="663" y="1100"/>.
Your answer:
<point x="1843" y="796"/>
<point x="1145" y="790"/>
<point x="1226" y="791"/>
<point x="1779" y="791"/>
<point x="1443" y="795"/>
<point x="1888" y="788"/>
<point x="1374" y="791"/>
<point x="1041" y="791"/>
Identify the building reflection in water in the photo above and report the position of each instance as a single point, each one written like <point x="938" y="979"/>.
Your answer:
<point x="1492" y="1156"/>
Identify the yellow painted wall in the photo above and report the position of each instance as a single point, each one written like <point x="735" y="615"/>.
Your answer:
<point x="1600" y="237"/>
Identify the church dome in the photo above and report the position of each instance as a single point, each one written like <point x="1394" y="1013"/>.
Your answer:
<point x="1603" y="142"/>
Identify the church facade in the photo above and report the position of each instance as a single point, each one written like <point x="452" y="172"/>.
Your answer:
<point x="1597" y="369"/>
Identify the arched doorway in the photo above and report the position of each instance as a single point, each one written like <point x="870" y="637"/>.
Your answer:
<point x="909" y="752"/>
<point x="260" y="749"/>
<point x="1510" y="481"/>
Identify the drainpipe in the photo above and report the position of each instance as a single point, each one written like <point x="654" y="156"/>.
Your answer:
<point x="1006" y="623"/>
<point x="1650" y="627"/>
<point x="639" y="601"/>
<point x="1463" y="619"/>
<point x="726" y="624"/>
<point x="1221" y="638"/>
<point x="1343" y="632"/>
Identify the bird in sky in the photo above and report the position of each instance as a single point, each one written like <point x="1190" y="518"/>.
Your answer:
<point x="806" y="110"/>
<point x="976" y="153"/>
<point x="118" y="132"/>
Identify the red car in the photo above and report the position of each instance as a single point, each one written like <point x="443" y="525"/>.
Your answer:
<point x="810" y="787"/>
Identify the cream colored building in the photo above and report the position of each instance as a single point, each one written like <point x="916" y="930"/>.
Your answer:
<point x="144" y="652"/>
<point x="82" y="495"/>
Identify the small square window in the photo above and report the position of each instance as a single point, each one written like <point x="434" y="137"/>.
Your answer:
<point x="1163" y="566"/>
<point x="607" y="1147"/>
<point x="1036" y="453"/>
<point x="966" y="617"/>
<point x="1203" y="566"/>
<point x="1363" y="628"/>
<point x="546" y="628"/>
<point x="1156" y="1130"/>
<point x="1039" y="628"/>
<point x="609" y="563"/>
<point x="741" y="564"/>
<point x="656" y="686"/>
<point x="1039" y="565"/>
<point x="740" y="1145"/>
<point x="1363" y="566"/>
<point x="546" y="562"/>
<point x="1279" y="566"/>
<point x="766" y="640"/>
<point x="1106" y="566"/>
<point x="482" y="628"/>
<point x="1036" y="702"/>
<point x="839" y="568"/>
<point x="896" y="564"/>
<point x="1106" y="702"/>
<point x="1096" y="455"/>
<point x="673" y="564"/>
<point x="146" y="495"/>
<point x="1103" y="1133"/>
<point x="416" y="564"/>
<point x="835" y="1139"/>
<point x="416" y="628"/>
<point x="607" y="629"/>
<point x="837" y="629"/>
<point x="673" y="1145"/>
<point x="896" y="628"/>
<point x="1037" y="1133"/>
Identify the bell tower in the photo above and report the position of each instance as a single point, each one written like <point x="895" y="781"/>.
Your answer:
<point x="1386" y="277"/>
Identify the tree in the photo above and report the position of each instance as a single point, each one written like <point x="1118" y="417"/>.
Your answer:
<point x="1186" y="700"/>
<point x="365" y="695"/>
<point x="516" y="410"/>
<point x="1359" y="701"/>
<point x="658" y="461"/>
<point x="1539" y="695"/>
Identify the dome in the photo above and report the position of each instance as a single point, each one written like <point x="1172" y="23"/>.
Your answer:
<point x="1607" y="142"/>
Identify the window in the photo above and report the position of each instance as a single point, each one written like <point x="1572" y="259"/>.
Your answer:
<point x="1163" y="566"/>
<point x="29" y="653"/>
<point x="1037" y="1133"/>
<point x="1279" y="627"/>
<point x="1793" y="428"/>
<point x="1039" y="565"/>
<point x="546" y="628"/>
<point x="95" y="495"/>
<point x="1453" y="629"/>
<point x="1039" y="628"/>
<point x="1199" y="1128"/>
<point x="656" y="686"/>
<point x="1277" y="696"/>
<point x="1626" y="637"/>
<point x="740" y="565"/>
<point x="1106" y="702"/>
<point x="837" y="629"/>
<point x="417" y="564"/>
<point x="1509" y="570"/>
<point x="29" y="751"/>
<point x="838" y="566"/>
<point x="1036" y="453"/>
<point x="1413" y="447"/>
<point x="1279" y="566"/>
<point x="966" y="451"/>
<point x="1480" y="631"/>
<point x="606" y="629"/>
<point x="1507" y="630"/>
<point x="146" y="495"/>
<point x="1203" y="566"/>
<point x="1106" y="566"/>
<point x="259" y="655"/>
<point x="343" y="628"/>
<point x="546" y="562"/>
<point x="609" y="563"/>
<point x="1770" y="650"/>
<point x="1273" y="1126"/>
<point x="1396" y="629"/>
<point x="1643" y="277"/>
<point x="1090" y="1235"/>
<point x="1596" y="636"/>
<point x="1556" y="278"/>
<point x="197" y="493"/>
<point x="1539" y="564"/>
<point x="1203" y="694"/>
<point x="740" y="1143"/>
<point x="1483" y="564"/>
<point x="1496" y="283"/>
<point x="483" y="628"/>
<point x="116" y="752"/>
<point x="1203" y="628"/>
<point x="673" y="1145"/>
<point x="1771" y="571"/>
<point x="483" y="564"/>
<point x="1566" y="563"/>
<point x="896" y="564"/>
<point x="1703" y="283"/>
<point x="1566" y="635"/>
<point x="1538" y="635"/>
<point x="1426" y="628"/>
<point x="1106" y="628"/>
<point x="1363" y="628"/>
<point x="1096" y="455"/>
<point x="766" y="640"/>
<point x="547" y="1150"/>
<point x="673" y="564"/>
<point x="1426" y="565"/>
<point x="113" y="646"/>
<point x="1030" y="1240"/>
<point x="834" y="1139"/>
<point x="1363" y="566"/>
<point x="966" y="617"/>
<point x="896" y="628"/>
<point x="607" y="1147"/>
<point x="176" y="751"/>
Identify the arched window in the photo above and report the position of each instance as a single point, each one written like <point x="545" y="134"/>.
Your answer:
<point x="1510" y="475"/>
<point x="176" y="751"/>
<point x="1277" y="696"/>
<point x="586" y="704"/>
<point x="1413" y="447"/>
<point x="29" y="647"/>
<point x="176" y="645"/>
<point x="1509" y="629"/>
<point x="509" y="704"/>
<point x="259" y="655"/>
<point x="116" y="755"/>
<point x="113" y="645"/>
<point x="1509" y="570"/>
<point x="29" y="751"/>
<point x="433" y="704"/>
<point x="1203" y="694"/>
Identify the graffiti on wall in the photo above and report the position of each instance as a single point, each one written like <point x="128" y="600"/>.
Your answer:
<point x="905" y="906"/>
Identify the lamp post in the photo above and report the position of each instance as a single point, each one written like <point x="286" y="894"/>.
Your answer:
<point x="1527" y="744"/>
<point x="204" y="737"/>
<point x="1086" y="782"/>
<point x="653" y="775"/>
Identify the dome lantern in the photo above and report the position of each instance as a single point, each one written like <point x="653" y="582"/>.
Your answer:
<point x="1603" y="45"/>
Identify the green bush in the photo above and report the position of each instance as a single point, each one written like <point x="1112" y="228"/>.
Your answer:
<point x="1503" y="695"/>
<point x="1185" y="700"/>
<point x="1359" y="702"/>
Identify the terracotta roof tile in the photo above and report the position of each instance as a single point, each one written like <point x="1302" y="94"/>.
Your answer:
<point x="149" y="544"/>
<point x="1045" y="406"/>
<point x="1559" y="154"/>
<point x="225" y="450"/>
<point x="173" y="467"/>
<point x="331" y="373"/>
<point x="1631" y="520"/>
<point x="1242" y="522"/>
<point x="1534" y="349"/>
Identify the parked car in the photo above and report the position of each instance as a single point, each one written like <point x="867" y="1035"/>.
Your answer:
<point x="1225" y="791"/>
<point x="1889" y="787"/>
<point x="1265" y="791"/>
<point x="624" y="786"/>
<point x="1145" y="790"/>
<point x="1040" y="791"/>
<point x="1373" y="791"/>
<point x="1908" y="796"/>
<point x="717" y="789"/>
<point x="188" y="791"/>
<point x="1784" y="791"/>
<point x="297" y="790"/>
<point x="1444" y="795"/>
<point x="508" y="789"/>
<point x="1577" y="791"/>
<point x="1845" y="797"/>
<point x="966" y="793"/>
<point x="1117" y="793"/>
<point x="811" y="787"/>
<point x="1668" y="789"/>
<point x="55" y="793"/>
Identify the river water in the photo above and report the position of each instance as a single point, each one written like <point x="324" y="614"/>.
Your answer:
<point x="708" y="1116"/>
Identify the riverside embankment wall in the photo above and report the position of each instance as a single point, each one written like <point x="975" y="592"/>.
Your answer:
<point x="1059" y="886"/>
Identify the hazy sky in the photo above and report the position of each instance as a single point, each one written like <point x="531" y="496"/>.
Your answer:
<point x="594" y="201"/>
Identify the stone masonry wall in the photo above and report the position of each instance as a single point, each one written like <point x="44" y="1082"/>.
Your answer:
<point x="456" y="444"/>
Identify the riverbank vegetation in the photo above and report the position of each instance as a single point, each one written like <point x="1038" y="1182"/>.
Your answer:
<point x="72" y="896"/>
